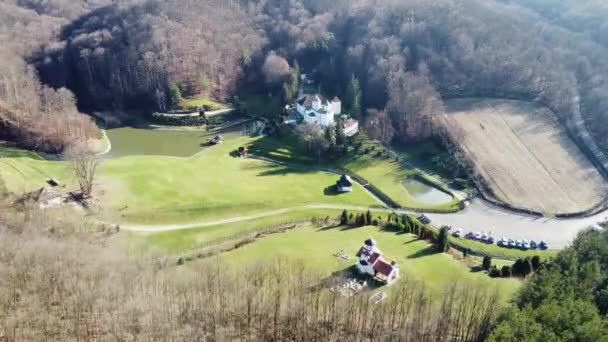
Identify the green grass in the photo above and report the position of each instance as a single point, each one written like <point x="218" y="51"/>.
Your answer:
<point x="180" y="241"/>
<point x="211" y="185"/>
<point x="7" y="151"/>
<point x="314" y="247"/>
<point x="21" y="175"/>
<point x="201" y="101"/>
<point x="388" y="175"/>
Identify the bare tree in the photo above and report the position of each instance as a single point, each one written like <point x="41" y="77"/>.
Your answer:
<point x="379" y="126"/>
<point x="84" y="164"/>
<point x="276" y="69"/>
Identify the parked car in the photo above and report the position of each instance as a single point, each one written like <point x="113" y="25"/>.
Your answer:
<point x="543" y="245"/>
<point x="525" y="245"/>
<point x="477" y="236"/>
<point x="511" y="243"/>
<point x="502" y="242"/>
<point x="470" y="236"/>
<point x="490" y="240"/>
<point x="484" y="237"/>
<point x="457" y="233"/>
<point x="518" y="243"/>
<point x="533" y="245"/>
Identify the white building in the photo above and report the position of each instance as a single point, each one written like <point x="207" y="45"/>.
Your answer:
<point x="317" y="110"/>
<point x="371" y="262"/>
<point x="344" y="184"/>
<point x="351" y="127"/>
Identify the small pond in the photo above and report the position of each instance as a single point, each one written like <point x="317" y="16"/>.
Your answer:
<point x="425" y="193"/>
<point x="133" y="141"/>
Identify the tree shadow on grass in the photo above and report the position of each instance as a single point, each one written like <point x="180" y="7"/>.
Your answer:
<point x="268" y="169"/>
<point x="475" y="269"/>
<point x="428" y="251"/>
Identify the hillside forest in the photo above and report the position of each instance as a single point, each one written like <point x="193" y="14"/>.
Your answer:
<point x="65" y="57"/>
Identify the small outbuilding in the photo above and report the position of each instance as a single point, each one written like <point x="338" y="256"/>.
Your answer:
<point x="344" y="184"/>
<point x="218" y="139"/>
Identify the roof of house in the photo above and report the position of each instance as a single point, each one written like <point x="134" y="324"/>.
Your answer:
<point x="372" y="258"/>
<point x="383" y="267"/>
<point x="345" y="181"/>
<point x="350" y="122"/>
<point x="307" y="100"/>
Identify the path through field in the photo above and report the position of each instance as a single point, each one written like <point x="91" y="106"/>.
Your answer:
<point x="478" y="216"/>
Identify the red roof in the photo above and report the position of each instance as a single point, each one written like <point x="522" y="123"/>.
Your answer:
<point x="373" y="258"/>
<point x="383" y="267"/>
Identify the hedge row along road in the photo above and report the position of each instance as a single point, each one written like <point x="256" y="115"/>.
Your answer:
<point x="478" y="216"/>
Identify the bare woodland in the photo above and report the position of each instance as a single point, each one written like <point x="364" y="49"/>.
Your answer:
<point x="58" y="282"/>
<point x="406" y="55"/>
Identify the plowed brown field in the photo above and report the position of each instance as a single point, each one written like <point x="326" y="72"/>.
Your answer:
<point x="525" y="155"/>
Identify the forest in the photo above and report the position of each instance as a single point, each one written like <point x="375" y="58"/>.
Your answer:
<point x="405" y="56"/>
<point x="94" y="290"/>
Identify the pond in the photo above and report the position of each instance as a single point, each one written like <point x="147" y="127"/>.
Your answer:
<point x="129" y="141"/>
<point x="425" y="193"/>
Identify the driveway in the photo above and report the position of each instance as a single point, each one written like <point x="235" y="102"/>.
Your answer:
<point x="484" y="217"/>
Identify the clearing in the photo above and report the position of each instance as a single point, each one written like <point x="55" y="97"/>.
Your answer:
<point x="315" y="247"/>
<point x="525" y="155"/>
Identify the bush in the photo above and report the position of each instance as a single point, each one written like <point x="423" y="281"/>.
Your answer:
<point x="443" y="240"/>
<point x="506" y="271"/>
<point x="180" y="261"/>
<point x="486" y="263"/>
<point x="535" y="263"/>
<point x="494" y="272"/>
<point x="344" y="218"/>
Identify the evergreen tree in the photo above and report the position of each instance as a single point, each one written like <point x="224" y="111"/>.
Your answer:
<point x="330" y="136"/>
<point x="506" y="271"/>
<point x="443" y="240"/>
<point x="368" y="218"/>
<point x="351" y="218"/>
<point x="526" y="267"/>
<point x="352" y="97"/>
<point x="344" y="218"/>
<point x="340" y="135"/>
<point x="486" y="263"/>
<point x="422" y="232"/>
<point x="175" y="94"/>
<point x="535" y="263"/>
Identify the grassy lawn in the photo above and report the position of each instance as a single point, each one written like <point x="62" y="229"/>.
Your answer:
<point x="314" y="247"/>
<point x="25" y="174"/>
<point x="212" y="184"/>
<point x="7" y="151"/>
<point x="386" y="174"/>
<point x="201" y="101"/>
<point x="180" y="241"/>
